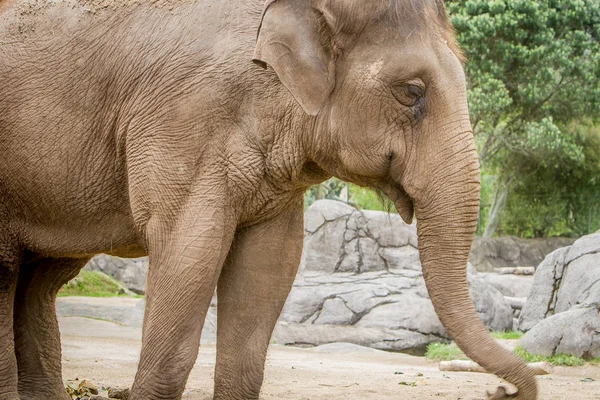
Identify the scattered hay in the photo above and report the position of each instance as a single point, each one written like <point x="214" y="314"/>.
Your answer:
<point x="85" y="390"/>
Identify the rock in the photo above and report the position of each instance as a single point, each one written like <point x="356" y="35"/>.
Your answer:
<point x="493" y="311"/>
<point x="516" y="303"/>
<point x="576" y="332"/>
<point x="376" y="241"/>
<point x="471" y="269"/>
<point x="567" y="277"/>
<point x="339" y="238"/>
<point x="360" y="281"/>
<point x="509" y="285"/>
<point x="489" y="253"/>
<point x="515" y="270"/>
<point x="121" y="310"/>
<point x="382" y="310"/>
<point x="345" y="348"/>
<point x="132" y="272"/>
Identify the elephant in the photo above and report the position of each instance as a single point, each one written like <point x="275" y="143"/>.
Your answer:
<point x="188" y="131"/>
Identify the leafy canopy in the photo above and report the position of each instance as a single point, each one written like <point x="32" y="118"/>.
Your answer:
<point x="534" y="98"/>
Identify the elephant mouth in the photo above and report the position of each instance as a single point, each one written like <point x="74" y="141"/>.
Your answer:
<point x="403" y="202"/>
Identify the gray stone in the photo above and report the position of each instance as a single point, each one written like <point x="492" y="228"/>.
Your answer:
<point x="334" y="311"/>
<point x="406" y="257"/>
<point x="132" y="272"/>
<point x="567" y="277"/>
<point x="576" y="332"/>
<point x="489" y="253"/>
<point x="379" y="309"/>
<point x="325" y="211"/>
<point x="345" y="348"/>
<point x="509" y="285"/>
<point x="340" y="238"/>
<point x="491" y="307"/>
<point x="124" y="311"/>
<point x="361" y="282"/>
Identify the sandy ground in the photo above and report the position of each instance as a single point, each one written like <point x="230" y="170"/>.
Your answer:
<point x="107" y="353"/>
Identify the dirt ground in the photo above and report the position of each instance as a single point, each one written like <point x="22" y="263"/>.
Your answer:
<point x="106" y="353"/>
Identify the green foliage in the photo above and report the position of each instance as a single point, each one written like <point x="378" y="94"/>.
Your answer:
<point x="368" y="199"/>
<point x="333" y="189"/>
<point x="359" y="197"/>
<point x="488" y="186"/>
<point x="444" y="352"/>
<point x="92" y="284"/>
<point x="534" y="97"/>
<point x="558" y="199"/>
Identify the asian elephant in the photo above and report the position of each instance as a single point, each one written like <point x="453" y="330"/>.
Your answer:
<point x="188" y="131"/>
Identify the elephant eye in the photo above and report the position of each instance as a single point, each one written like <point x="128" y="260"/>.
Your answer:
<point x="409" y="93"/>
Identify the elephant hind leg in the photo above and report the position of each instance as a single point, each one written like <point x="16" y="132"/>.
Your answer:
<point x="8" y="364"/>
<point x="37" y="339"/>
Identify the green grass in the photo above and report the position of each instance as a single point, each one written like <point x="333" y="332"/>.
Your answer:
<point x="564" y="360"/>
<point x="448" y="352"/>
<point x="444" y="352"/>
<point x="92" y="284"/>
<point x="506" y="335"/>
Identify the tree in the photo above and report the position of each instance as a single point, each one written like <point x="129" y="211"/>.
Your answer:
<point x="359" y="197"/>
<point x="533" y="69"/>
<point x="571" y="205"/>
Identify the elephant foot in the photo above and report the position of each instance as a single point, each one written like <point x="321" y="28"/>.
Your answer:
<point x="501" y="394"/>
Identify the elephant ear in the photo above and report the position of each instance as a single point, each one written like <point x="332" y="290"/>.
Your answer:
<point x="293" y="40"/>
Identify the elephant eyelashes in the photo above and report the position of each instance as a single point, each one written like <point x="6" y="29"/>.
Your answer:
<point x="408" y="94"/>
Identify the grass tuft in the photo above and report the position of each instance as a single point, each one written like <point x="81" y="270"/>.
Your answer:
<point x="444" y="352"/>
<point x="449" y="352"/>
<point x="564" y="360"/>
<point x="506" y="335"/>
<point x="91" y="284"/>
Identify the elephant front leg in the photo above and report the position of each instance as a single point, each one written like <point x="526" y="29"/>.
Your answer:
<point x="252" y="290"/>
<point x="185" y="261"/>
<point x="37" y="339"/>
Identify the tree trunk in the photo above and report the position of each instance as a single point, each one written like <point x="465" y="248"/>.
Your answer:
<point x="497" y="207"/>
<point x="320" y="192"/>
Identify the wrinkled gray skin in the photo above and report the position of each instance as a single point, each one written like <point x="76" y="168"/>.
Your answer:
<point x="146" y="129"/>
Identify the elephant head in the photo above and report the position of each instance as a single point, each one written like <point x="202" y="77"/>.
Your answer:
<point x="383" y="84"/>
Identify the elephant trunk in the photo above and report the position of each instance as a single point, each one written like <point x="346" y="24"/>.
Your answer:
<point x="446" y="221"/>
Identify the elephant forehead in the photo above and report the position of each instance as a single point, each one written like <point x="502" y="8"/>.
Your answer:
<point x="368" y="73"/>
<point x="372" y="70"/>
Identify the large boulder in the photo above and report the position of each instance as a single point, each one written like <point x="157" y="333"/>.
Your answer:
<point x="576" y="332"/>
<point x="340" y="238"/>
<point x="361" y="282"/>
<point x="383" y="310"/>
<point x="508" y="284"/>
<point x="507" y="251"/>
<point x="132" y="272"/>
<point x="567" y="277"/>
